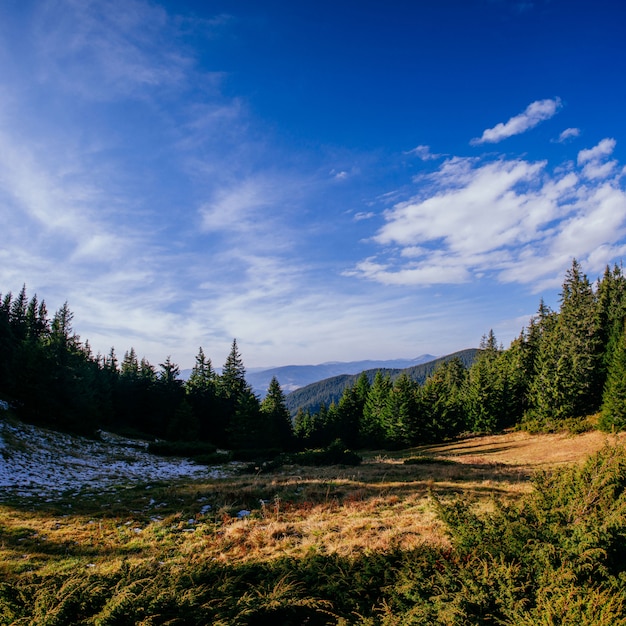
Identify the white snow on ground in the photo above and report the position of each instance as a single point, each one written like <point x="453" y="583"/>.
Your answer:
<point x="36" y="462"/>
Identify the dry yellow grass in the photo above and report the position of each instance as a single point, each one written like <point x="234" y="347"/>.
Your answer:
<point x="380" y="505"/>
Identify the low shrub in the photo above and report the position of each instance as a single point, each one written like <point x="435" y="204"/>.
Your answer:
<point x="334" y="454"/>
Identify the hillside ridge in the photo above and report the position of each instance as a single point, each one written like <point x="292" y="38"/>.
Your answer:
<point x="329" y="390"/>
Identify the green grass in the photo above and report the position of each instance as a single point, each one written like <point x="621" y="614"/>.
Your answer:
<point x="389" y="542"/>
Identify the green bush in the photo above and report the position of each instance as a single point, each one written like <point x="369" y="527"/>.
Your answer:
<point x="334" y="454"/>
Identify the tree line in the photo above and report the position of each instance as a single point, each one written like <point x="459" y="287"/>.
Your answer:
<point x="563" y="367"/>
<point x="54" y="379"/>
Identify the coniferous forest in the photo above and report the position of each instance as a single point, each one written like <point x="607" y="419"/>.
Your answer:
<point x="566" y="370"/>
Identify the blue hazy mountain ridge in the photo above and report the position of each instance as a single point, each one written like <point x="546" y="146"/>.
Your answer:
<point x="292" y="377"/>
<point x="328" y="390"/>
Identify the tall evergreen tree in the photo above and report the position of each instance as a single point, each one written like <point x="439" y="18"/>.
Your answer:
<point x="402" y="413"/>
<point x="245" y="428"/>
<point x="349" y="413"/>
<point x="276" y="418"/>
<point x="18" y="314"/>
<point x="611" y="313"/>
<point x="130" y="365"/>
<point x="568" y="382"/>
<point x="442" y="403"/>
<point x="486" y="388"/>
<point x="376" y="412"/>
<point x="613" y="414"/>
<point x="233" y="378"/>
<point x="201" y="390"/>
<point x="168" y="394"/>
<point x="203" y="377"/>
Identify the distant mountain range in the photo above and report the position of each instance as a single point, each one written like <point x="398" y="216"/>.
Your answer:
<point x="292" y="377"/>
<point x="312" y="396"/>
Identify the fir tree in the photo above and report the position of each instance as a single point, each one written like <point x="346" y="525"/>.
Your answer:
<point x="442" y="403"/>
<point x="402" y="413"/>
<point x="375" y="411"/>
<point x="276" y="417"/>
<point x="233" y="378"/>
<point x="486" y="388"/>
<point x="567" y="381"/>
<point x="613" y="414"/>
<point x="201" y="392"/>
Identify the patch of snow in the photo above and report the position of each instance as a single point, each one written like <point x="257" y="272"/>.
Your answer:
<point x="35" y="462"/>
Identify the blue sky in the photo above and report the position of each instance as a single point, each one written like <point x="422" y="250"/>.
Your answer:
<point x="320" y="180"/>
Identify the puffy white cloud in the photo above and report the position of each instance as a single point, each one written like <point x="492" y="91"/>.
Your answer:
<point x="595" y="167"/>
<point x="603" y="149"/>
<point x="512" y="218"/>
<point x="535" y="113"/>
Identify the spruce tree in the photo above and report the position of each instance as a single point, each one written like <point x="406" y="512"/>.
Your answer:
<point x="375" y="412"/>
<point x="402" y="413"/>
<point x="203" y="378"/>
<point x="18" y="314"/>
<point x="442" y="403"/>
<point x="168" y="394"/>
<point x="613" y="414"/>
<point x="350" y="411"/>
<point x="611" y="312"/>
<point x="486" y="388"/>
<point x="201" y="392"/>
<point x="568" y="381"/>
<point x="245" y="430"/>
<point x="303" y="427"/>
<point x="233" y="378"/>
<point x="276" y="417"/>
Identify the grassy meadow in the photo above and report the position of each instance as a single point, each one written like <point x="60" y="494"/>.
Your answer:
<point x="370" y="544"/>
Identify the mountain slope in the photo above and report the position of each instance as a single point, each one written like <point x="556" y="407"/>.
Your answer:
<point x="292" y="377"/>
<point x="312" y="396"/>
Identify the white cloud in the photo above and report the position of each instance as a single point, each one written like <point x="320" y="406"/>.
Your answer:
<point x="595" y="167"/>
<point x="439" y="269"/>
<point x="603" y="149"/>
<point x="424" y="153"/>
<point x="567" y="134"/>
<point x="363" y="216"/>
<point x="234" y="207"/>
<point x="102" y="49"/>
<point x="510" y="217"/>
<point x="535" y="113"/>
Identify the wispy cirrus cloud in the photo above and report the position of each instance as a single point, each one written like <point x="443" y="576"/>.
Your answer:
<point x="101" y="49"/>
<point x="511" y="218"/>
<point x="423" y="152"/>
<point x="535" y="113"/>
<point x="363" y="215"/>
